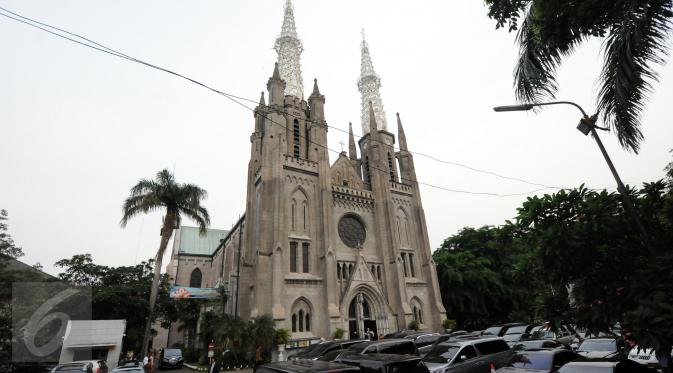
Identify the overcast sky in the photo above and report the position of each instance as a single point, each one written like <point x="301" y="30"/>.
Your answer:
<point x="78" y="127"/>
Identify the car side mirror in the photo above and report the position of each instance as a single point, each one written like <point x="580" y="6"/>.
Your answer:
<point x="463" y="357"/>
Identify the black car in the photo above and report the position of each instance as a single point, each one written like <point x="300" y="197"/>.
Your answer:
<point x="325" y="348"/>
<point x="401" y="334"/>
<point x="384" y="363"/>
<point x="306" y="366"/>
<point x="385" y="346"/>
<point x="542" y="361"/>
<point x="304" y="352"/>
<point x="423" y="341"/>
<point x="539" y="344"/>
<point x="170" y="358"/>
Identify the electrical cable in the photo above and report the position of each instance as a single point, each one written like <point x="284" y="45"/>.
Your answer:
<point x="105" y="49"/>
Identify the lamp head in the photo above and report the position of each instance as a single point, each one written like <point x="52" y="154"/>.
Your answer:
<point x="584" y="127"/>
<point x="522" y="107"/>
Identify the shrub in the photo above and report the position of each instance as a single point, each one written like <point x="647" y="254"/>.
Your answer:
<point x="413" y="325"/>
<point x="449" y="324"/>
<point x="339" y="333"/>
<point x="282" y="336"/>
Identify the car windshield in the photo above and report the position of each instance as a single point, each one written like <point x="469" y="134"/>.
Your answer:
<point x="358" y="346"/>
<point x="531" y="361"/>
<point x="330" y="356"/>
<point x="598" y="345"/>
<point x="441" y="354"/>
<point x="172" y="352"/>
<point x="319" y="350"/>
<point x="585" y="369"/>
<point x="517" y="329"/>
<point x="133" y="369"/>
<point x="493" y="330"/>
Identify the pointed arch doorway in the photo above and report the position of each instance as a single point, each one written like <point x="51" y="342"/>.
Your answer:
<point x="361" y="317"/>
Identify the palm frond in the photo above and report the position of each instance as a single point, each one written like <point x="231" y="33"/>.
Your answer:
<point x="634" y="44"/>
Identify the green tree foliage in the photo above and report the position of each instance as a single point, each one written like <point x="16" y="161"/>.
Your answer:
<point x="637" y="34"/>
<point x="570" y="257"/>
<point x="177" y="199"/>
<point x="7" y="246"/>
<point x="119" y="293"/>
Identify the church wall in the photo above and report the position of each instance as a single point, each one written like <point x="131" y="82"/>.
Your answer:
<point x="186" y="264"/>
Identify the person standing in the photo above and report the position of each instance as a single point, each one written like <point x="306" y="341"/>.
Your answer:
<point x="258" y="358"/>
<point x="148" y="362"/>
<point x="214" y="367"/>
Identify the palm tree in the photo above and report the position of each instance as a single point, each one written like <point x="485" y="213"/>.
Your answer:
<point x="636" y="32"/>
<point x="177" y="199"/>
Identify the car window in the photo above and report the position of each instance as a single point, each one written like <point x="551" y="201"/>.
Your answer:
<point x="399" y="348"/>
<point x="523" y="360"/>
<point x="517" y="330"/>
<point x="69" y="368"/>
<point x="441" y="353"/>
<point x="492" y="347"/>
<point x="369" y="350"/>
<point x="469" y="352"/>
<point x="330" y="356"/>
<point x="584" y="369"/>
<point x="493" y="330"/>
<point x="550" y="344"/>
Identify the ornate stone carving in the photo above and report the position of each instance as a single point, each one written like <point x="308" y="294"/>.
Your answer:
<point x="351" y="231"/>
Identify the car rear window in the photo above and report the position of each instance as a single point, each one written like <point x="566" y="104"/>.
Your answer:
<point x="598" y="345"/>
<point x="172" y="352"/>
<point x="399" y="348"/>
<point x="531" y="361"/>
<point x="493" y="330"/>
<point x="358" y="346"/>
<point x="492" y="347"/>
<point x="517" y="330"/>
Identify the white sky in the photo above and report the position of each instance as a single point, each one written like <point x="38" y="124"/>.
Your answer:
<point x="78" y="128"/>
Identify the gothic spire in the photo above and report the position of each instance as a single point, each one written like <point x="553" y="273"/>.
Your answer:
<point x="352" y="152"/>
<point x="401" y="137"/>
<point x="369" y="85"/>
<point x="289" y="48"/>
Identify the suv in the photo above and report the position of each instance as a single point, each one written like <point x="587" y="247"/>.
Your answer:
<point x="468" y="355"/>
<point x="305" y="366"/>
<point x="385" y="363"/>
<point x="170" y="358"/>
<point x="326" y="347"/>
<point x="87" y="366"/>
<point x="423" y="341"/>
<point x="385" y="346"/>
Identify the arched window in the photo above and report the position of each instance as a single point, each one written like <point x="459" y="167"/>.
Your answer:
<point x="301" y="316"/>
<point x="297" y="139"/>
<point x="352" y="311"/>
<point x="195" y="278"/>
<point x="293" y="256"/>
<point x="404" y="264"/>
<point x="411" y="265"/>
<point x="305" y="257"/>
<point x="366" y="170"/>
<point x="344" y="273"/>
<point x="366" y="313"/>
<point x="417" y="309"/>
<point x="300" y="213"/>
<point x="378" y="273"/>
<point x="338" y="271"/>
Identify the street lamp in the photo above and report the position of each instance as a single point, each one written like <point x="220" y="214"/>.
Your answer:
<point x="588" y="125"/>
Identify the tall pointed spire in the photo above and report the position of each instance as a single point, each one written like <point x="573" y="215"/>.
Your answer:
<point x="369" y="85"/>
<point x="401" y="137"/>
<point x="289" y="48"/>
<point x="352" y="152"/>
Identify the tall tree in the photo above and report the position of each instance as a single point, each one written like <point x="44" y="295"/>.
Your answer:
<point x="636" y="34"/>
<point x="177" y="199"/>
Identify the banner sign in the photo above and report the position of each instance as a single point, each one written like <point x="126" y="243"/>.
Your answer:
<point x="183" y="292"/>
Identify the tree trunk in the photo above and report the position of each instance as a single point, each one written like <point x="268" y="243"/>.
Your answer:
<point x="166" y="232"/>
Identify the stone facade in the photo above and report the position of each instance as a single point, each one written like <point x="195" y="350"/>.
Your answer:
<point x="324" y="246"/>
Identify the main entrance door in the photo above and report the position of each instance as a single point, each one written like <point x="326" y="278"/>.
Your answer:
<point x="361" y="323"/>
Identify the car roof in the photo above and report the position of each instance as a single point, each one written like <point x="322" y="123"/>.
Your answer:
<point x="593" y="363"/>
<point x="382" y="341"/>
<point x="541" y="351"/>
<point x="601" y="339"/>
<point x="469" y="341"/>
<point x="306" y="366"/>
<point x="377" y="357"/>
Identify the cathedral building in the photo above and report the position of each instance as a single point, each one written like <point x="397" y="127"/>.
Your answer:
<point x="321" y="246"/>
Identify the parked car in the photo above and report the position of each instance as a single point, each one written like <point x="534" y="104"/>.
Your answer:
<point x="423" y="341"/>
<point x="538" y="344"/>
<point x="385" y="346"/>
<point x="385" y="363"/>
<point x="170" y="358"/>
<point x="599" y="348"/>
<point x="516" y="333"/>
<point x="304" y="352"/>
<point x="88" y="366"/>
<point x="401" y="334"/>
<point x="563" y="334"/>
<point x="468" y="355"/>
<point x="645" y="357"/>
<point x="326" y="347"/>
<point x="306" y="366"/>
<point x="129" y="368"/>
<point x="543" y="361"/>
<point x="621" y="366"/>
<point x="332" y="355"/>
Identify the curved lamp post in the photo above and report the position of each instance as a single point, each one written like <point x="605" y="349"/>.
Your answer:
<point x="587" y="126"/>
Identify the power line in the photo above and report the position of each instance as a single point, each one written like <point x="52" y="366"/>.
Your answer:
<point x="235" y="98"/>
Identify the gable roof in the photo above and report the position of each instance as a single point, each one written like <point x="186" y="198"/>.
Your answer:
<point x="191" y="242"/>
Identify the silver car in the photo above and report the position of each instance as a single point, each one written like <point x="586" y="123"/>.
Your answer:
<point x="468" y="355"/>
